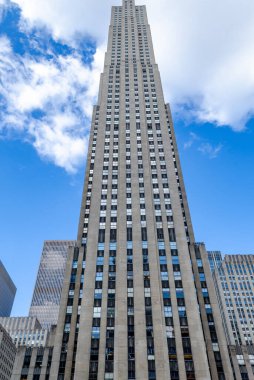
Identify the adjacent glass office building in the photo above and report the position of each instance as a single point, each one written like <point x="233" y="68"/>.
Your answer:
<point x="135" y="301"/>
<point x="7" y="292"/>
<point x="47" y="291"/>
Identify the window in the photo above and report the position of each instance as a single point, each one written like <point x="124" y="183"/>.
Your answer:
<point x="144" y="234"/>
<point x="129" y="234"/>
<point x="101" y="238"/>
<point x="171" y="233"/>
<point x="160" y="234"/>
<point x="113" y="235"/>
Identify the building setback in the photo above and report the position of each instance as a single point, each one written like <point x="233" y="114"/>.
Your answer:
<point x="25" y="331"/>
<point x="34" y="347"/>
<point x="233" y="277"/>
<point x="47" y="291"/>
<point x="7" y="292"/>
<point x="131" y="307"/>
<point x="34" y="362"/>
<point x="7" y="354"/>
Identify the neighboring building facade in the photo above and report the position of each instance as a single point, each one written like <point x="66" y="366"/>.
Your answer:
<point x="25" y="331"/>
<point x="215" y="259"/>
<point x="234" y="281"/>
<point x="34" y="362"/>
<point x="49" y="282"/>
<point x="129" y="306"/>
<point x="7" y="355"/>
<point x="7" y="292"/>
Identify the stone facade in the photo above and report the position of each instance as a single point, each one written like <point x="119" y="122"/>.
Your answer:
<point x="25" y="331"/>
<point x="233" y="278"/>
<point x="130" y="308"/>
<point x="7" y="355"/>
<point x="33" y="362"/>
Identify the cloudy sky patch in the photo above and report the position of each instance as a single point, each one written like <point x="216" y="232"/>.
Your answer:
<point x="204" y="51"/>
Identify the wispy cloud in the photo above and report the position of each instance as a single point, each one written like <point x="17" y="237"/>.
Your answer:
<point x="2" y="3"/>
<point x="202" y="145"/>
<point x="192" y="139"/>
<point x="49" y="102"/>
<point x="210" y="150"/>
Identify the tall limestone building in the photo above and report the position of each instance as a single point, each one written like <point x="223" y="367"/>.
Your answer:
<point x="136" y="302"/>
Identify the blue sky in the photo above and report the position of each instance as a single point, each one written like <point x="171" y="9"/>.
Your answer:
<point x="51" y="55"/>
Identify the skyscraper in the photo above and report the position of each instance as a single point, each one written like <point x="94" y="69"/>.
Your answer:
<point x="130" y="307"/>
<point x="47" y="291"/>
<point x="7" y="292"/>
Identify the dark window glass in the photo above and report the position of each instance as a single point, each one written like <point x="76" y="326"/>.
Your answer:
<point x="129" y="234"/>
<point x="144" y="234"/>
<point x="113" y="235"/>
<point x="101" y="238"/>
<point x="171" y="234"/>
<point x="160" y="234"/>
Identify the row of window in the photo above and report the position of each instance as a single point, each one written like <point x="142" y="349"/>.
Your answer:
<point x="209" y="313"/>
<point x="189" y="365"/>
<point x="160" y="232"/>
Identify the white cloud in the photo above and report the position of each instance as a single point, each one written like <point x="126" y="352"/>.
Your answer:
<point x="204" y="48"/>
<point x="192" y="139"/>
<point x="2" y="4"/>
<point x="202" y="145"/>
<point x="48" y="101"/>
<point x="206" y="56"/>
<point x="205" y="147"/>
<point x="210" y="150"/>
<point x="65" y="18"/>
<point x="204" y="51"/>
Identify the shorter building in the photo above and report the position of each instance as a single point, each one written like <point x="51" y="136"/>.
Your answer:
<point x="34" y="362"/>
<point x="25" y="331"/>
<point x="233" y="277"/>
<point x="7" y="355"/>
<point x="215" y="259"/>
<point x="7" y="292"/>
<point x="47" y="291"/>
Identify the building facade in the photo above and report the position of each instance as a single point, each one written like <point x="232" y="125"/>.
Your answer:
<point x="234" y="281"/>
<point x="215" y="259"/>
<point x="33" y="362"/>
<point x="7" y="292"/>
<point x="7" y="355"/>
<point x="25" y="331"/>
<point x="47" y="292"/>
<point x="131" y="307"/>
